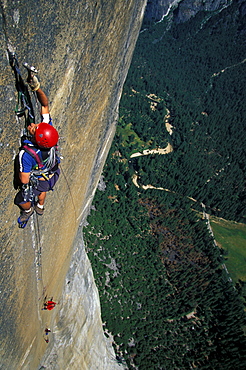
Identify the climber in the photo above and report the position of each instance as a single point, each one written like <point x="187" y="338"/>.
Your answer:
<point x="49" y="305"/>
<point x="38" y="158"/>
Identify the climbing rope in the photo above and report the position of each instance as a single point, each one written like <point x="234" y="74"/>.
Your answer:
<point x="38" y="249"/>
<point x="69" y="190"/>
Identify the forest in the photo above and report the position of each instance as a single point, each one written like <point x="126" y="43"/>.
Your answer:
<point x="165" y="294"/>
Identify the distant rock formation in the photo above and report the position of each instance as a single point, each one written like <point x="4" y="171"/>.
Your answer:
<point x="189" y="8"/>
<point x="82" y="50"/>
<point x="183" y="9"/>
<point x="156" y="9"/>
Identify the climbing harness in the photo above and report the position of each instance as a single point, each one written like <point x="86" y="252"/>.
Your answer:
<point x="44" y="168"/>
<point x="34" y="154"/>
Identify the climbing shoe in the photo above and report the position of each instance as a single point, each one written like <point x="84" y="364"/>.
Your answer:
<point x="24" y="216"/>
<point x="39" y="211"/>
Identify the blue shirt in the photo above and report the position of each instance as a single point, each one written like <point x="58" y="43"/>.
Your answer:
<point x="27" y="162"/>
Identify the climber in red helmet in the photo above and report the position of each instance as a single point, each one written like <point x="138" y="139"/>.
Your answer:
<point x="38" y="159"/>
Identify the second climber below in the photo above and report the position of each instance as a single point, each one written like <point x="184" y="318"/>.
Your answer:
<point x="38" y="159"/>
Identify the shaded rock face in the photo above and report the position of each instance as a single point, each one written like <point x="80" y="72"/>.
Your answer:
<point x="157" y="9"/>
<point x="189" y="8"/>
<point x="183" y="9"/>
<point x="82" y="50"/>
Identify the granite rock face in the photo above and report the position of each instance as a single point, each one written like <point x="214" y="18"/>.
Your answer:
<point x="82" y="49"/>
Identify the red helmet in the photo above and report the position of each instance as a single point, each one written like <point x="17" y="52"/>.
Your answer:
<point x="46" y="135"/>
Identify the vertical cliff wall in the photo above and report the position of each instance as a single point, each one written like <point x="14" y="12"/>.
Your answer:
<point x="82" y="50"/>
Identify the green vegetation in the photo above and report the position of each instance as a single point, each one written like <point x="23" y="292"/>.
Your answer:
<point x="129" y="136"/>
<point x="231" y="237"/>
<point x="164" y="292"/>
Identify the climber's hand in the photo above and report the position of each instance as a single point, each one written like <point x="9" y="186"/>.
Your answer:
<point x="33" y="83"/>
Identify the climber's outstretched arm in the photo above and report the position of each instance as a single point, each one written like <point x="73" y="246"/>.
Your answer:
<point x="43" y="100"/>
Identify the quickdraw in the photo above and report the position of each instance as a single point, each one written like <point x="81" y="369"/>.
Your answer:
<point x="24" y="107"/>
